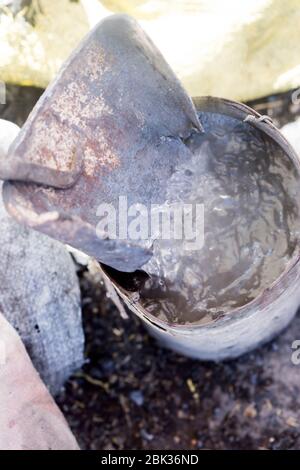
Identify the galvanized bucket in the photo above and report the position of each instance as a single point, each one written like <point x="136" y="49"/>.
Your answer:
<point x="246" y="327"/>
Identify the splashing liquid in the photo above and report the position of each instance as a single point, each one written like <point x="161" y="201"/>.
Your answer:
<point x="250" y="191"/>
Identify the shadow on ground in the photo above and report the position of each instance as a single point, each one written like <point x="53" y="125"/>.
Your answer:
<point x="132" y="394"/>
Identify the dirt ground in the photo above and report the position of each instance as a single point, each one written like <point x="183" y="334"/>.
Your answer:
<point x="132" y="394"/>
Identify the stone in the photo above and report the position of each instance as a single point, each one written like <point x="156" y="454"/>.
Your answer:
<point x="40" y="297"/>
<point x="25" y="403"/>
<point x="291" y="131"/>
<point x="39" y="294"/>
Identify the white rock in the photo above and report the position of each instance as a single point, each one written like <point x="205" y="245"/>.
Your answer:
<point x="8" y="132"/>
<point x="80" y="258"/>
<point x="291" y="131"/>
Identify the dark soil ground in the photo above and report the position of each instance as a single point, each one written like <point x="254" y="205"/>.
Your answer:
<point x="132" y="394"/>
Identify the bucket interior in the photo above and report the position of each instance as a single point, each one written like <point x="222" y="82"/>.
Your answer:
<point x="249" y="188"/>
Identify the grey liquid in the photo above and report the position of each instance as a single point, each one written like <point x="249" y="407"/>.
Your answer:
<point x="250" y="192"/>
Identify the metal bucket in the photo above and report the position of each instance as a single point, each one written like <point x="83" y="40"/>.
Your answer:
<point x="246" y="327"/>
<point x="100" y="130"/>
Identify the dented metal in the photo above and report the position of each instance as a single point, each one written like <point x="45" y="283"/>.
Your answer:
<point x="112" y="123"/>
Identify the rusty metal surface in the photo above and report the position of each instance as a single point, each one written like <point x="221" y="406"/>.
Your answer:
<point x="111" y="124"/>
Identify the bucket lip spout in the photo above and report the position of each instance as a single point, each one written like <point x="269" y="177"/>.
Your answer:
<point x="98" y="133"/>
<point x="241" y="112"/>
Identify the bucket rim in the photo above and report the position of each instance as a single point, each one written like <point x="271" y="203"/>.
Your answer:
<point x="268" y="295"/>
